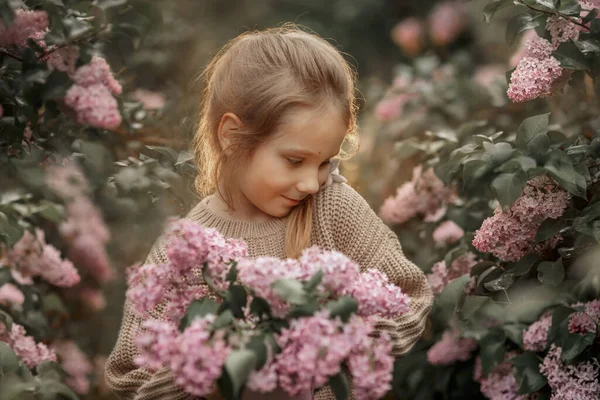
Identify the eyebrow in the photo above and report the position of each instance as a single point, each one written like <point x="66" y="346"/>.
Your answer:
<point x="305" y="152"/>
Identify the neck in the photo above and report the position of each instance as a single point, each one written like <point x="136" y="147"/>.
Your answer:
<point x="242" y="209"/>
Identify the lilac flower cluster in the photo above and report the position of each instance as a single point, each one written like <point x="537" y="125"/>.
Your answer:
<point x="25" y="25"/>
<point x="510" y="235"/>
<point x="10" y="294"/>
<point x="322" y="345"/>
<point x="500" y="383"/>
<point x="91" y="95"/>
<point x="573" y="381"/>
<point x="372" y="289"/>
<point x="87" y="236"/>
<point x="448" y="232"/>
<point x="536" y="74"/>
<point x="587" y="320"/>
<point x="451" y="348"/>
<point x="189" y="246"/>
<point x="425" y="194"/>
<point x="75" y="363"/>
<point x="440" y="274"/>
<point x="30" y="352"/>
<point x="32" y="257"/>
<point x="535" y="337"/>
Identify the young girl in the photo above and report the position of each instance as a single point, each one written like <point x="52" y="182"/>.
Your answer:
<point x="277" y="107"/>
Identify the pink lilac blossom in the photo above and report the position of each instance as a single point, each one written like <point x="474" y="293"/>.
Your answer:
<point x="67" y="180"/>
<point x="509" y="235"/>
<point x="408" y="35"/>
<point x="30" y="352"/>
<point x="147" y="286"/>
<point x="500" y="383"/>
<point x="93" y="298"/>
<point x="198" y="358"/>
<point x="10" y="294"/>
<point x="451" y="348"/>
<point x="156" y="341"/>
<point x="88" y="236"/>
<point x="24" y="25"/>
<point x="447" y="21"/>
<point x="151" y="100"/>
<point x="313" y="349"/>
<point x="64" y="59"/>
<point x="561" y="30"/>
<point x="575" y="381"/>
<point x="259" y="274"/>
<point x="76" y="364"/>
<point x="534" y="78"/>
<point x="178" y="300"/>
<point x="522" y="48"/>
<point x="535" y="337"/>
<point x="94" y="105"/>
<point x="338" y="269"/>
<point x="448" y="232"/>
<point x="264" y="380"/>
<point x="32" y="257"/>
<point x="424" y="194"/>
<point x="391" y="108"/>
<point x="370" y="362"/>
<point x="97" y="72"/>
<point x="587" y="320"/>
<point x="376" y="295"/>
<point x="440" y="274"/>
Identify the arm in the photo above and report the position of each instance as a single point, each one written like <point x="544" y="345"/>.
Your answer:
<point x="360" y="234"/>
<point x="123" y="376"/>
<point x="346" y="223"/>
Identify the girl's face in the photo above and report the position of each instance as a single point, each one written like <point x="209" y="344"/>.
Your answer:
<point x="293" y="164"/>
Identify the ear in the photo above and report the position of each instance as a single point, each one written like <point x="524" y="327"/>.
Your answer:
<point x="228" y="126"/>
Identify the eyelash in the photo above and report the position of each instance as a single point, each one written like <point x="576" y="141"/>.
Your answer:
<point x="295" y="163"/>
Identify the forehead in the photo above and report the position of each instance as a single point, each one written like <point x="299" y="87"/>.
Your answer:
<point x="320" y="131"/>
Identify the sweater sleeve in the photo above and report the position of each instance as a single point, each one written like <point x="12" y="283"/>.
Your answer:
<point x="352" y="227"/>
<point x="123" y="376"/>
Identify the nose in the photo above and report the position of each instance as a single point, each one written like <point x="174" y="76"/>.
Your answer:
<point x="309" y="183"/>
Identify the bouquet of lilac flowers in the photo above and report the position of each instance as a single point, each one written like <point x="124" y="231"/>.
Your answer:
<point x="234" y="322"/>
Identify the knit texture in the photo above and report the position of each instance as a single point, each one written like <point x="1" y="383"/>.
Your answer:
<point x="342" y="221"/>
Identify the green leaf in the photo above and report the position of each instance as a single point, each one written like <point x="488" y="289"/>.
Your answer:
<point x="551" y="273"/>
<point x="290" y="290"/>
<point x="481" y="266"/>
<point x="406" y="149"/>
<point x="492" y="350"/>
<point x="538" y="146"/>
<point x="9" y="362"/>
<point x="232" y="273"/>
<point x="260" y="307"/>
<point x="528" y="376"/>
<point x="343" y="307"/>
<point x="519" y="162"/>
<point x="314" y="281"/>
<point x="453" y="293"/>
<point x="589" y="45"/>
<point x="224" y="319"/>
<point x="50" y="370"/>
<point x="492" y="8"/>
<point x="51" y="389"/>
<point x="523" y="266"/>
<point x="503" y="282"/>
<point x="573" y="344"/>
<point x="473" y="170"/>
<point x="499" y="152"/>
<point x="514" y="332"/>
<point x="549" y="228"/>
<point x="198" y="309"/>
<point x="562" y="170"/>
<point x="518" y="24"/>
<point x="530" y="128"/>
<point x="339" y="386"/>
<point x="508" y="187"/>
<point x="236" y="297"/>
<point x="239" y="365"/>
<point x="570" y="57"/>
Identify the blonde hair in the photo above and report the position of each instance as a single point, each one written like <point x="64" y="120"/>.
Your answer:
<point x="259" y="75"/>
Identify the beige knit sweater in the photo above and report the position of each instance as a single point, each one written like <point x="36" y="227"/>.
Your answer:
<point x="342" y="221"/>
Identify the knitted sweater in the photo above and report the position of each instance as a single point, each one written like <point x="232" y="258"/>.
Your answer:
<point x="343" y="221"/>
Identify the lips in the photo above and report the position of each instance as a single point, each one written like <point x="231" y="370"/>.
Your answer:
<point x="291" y="200"/>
